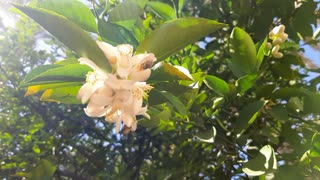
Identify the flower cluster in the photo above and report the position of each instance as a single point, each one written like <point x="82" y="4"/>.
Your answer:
<point x="118" y="96"/>
<point x="278" y="36"/>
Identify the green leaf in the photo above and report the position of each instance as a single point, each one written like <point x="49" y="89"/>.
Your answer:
<point x="73" y="10"/>
<point x="125" y="14"/>
<point x="208" y="135"/>
<point x="310" y="100"/>
<point x="36" y="149"/>
<point x="155" y="118"/>
<point x="246" y="82"/>
<point x="264" y="162"/>
<point x="43" y="171"/>
<point x="57" y="74"/>
<point x="315" y="146"/>
<point x="176" y="34"/>
<point x="175" y="101"/>
<point x="218" y="85"/>
<point x="248" y="115"/>
<point x="163" y="10"/>
<point x="279" y="112"/>
<point x="38" y="88"/>
<point x="69" y="33"/>
<point x="243" y="53"/>
<point x="115" y="34"/>
<point x="36" y="71"/>
<point x="261" y="52"/>
<point x="165" y="72"/>
<point x="66" y="95"/>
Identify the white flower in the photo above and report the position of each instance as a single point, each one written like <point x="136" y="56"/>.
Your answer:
<point x="278" y="35"/>
<point x="94" y="80"/>
<point x="275" y="52"/>
<point x="126" y="66"/>
<point x="118" y="95"/>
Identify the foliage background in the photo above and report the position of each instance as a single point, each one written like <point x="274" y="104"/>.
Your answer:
<point x="277" y="105"/>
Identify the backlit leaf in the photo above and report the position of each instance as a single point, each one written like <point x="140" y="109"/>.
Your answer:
<point x="207" y="136"/>
<point x="115" y="34"/>
<point x="69" y="33"/>
<point x="264" y="162"/>
<point x="217" y="85"/>
<point x="66" y="95"/>
<point x="165" y="72"/>
<point x="70" y="9"/>
<point x="163" y="10"/>
<point x="176" y="34"/>
<point x="57" y="74"/>
<point x="243" y="53"/>
<point x="248" y="115"/>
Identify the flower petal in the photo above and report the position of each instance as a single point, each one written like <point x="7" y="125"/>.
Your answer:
<point x="95" y="110"/>
<point x="140" y="75"/>
<point x="85" y="92"/>
<point x="111" y="52"/>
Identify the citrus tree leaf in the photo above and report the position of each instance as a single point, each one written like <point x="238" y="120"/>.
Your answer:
<point x="115" y="34"/>
<point x="125" y="14"/>
<point x="66" y="95"/>
<point x="38" y="88"/>
<point x="160" y="96"/>
<point x="217" y="85"/>
<point x="246" y="82"/>
<point x="68" y="33"/>
<point x="165" y="72"/>
<point x="56" y="74"/>
<point x="261" y="52"/>
<point x="248" y="115"/>
<point x="208" y="135"/>
<point x="264" y="162"/>
<point x="163" y="10"/>
<point x="243" y="53"/>
<point x="73" y="10"/>
<point x="310" y="100"/>
<point x="315" y="146"/>
<point x="176" y="34"/>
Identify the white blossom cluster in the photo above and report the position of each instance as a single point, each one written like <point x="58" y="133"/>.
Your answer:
<point x="278" y="36"/>
<point x="118" y="96"/>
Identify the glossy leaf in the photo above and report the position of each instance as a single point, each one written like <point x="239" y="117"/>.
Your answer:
<point x="36" y="71"/>
<point x="66" y="95"/>
<point x="261" y="52"/>
<point x="38" y="88"/>
<point x="163" y="10"/>
<point x="115" y="34"/>
<point x="311" y="100"/>
<point x="217" y="85"/>
<point x="248" y="115"/>
<point x="243" y="53"/>
<point x="208" y="135"/>
<point x="176" y="34"/>
<point x="69" y="33"/>
<point x="57" y="74"/>
<point x="155" y="119"/>
<point x="264" y="162"/>
<point x="165" y="96"/>
<point x="70" y="9"/>
<point x="246" y="82"/>
<point x="125" y="14"/>
<point x="165" y="72"/>
<point x="315" y="146"/>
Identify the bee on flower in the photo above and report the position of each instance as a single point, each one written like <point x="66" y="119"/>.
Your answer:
<point x="118" y="96"/>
